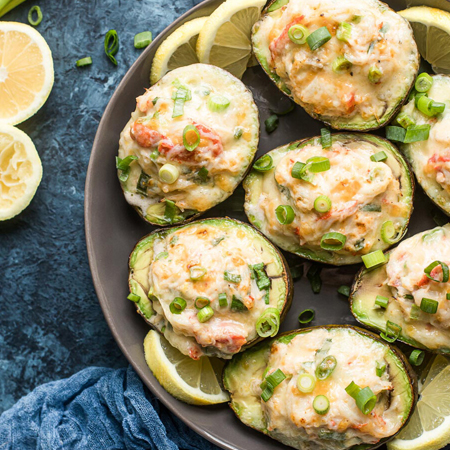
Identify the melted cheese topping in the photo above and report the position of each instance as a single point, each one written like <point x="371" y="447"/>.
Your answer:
<point x="289" y="412"/>
<point x="217" y="251"/>
<point x="379" y="38"/>
<point x="156" y="138"/>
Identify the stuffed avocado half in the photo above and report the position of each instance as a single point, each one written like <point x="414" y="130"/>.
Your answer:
<point x="188" y="144"/>
<point x="333" y="198"/>
<point x="212" y="287"/>
<point x="330" y="387"/>
<point x="349" y="63"/>
<point x="409" y="297"/>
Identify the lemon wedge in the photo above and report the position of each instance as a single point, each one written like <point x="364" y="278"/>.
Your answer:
<point x="26" y="72"/>
<point x="429" y="427"/>
<point x="224" y="40"/>
<point x="431" y="28"/>
<point x="20" y="171"/>
<point x="188" y="380"/>
<point x="178" y="50"/>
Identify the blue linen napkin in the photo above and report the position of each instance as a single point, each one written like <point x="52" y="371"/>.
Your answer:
<point x="95" y="409"/>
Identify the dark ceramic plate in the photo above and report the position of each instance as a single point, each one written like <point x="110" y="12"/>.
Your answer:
<point x="113" y="228"/>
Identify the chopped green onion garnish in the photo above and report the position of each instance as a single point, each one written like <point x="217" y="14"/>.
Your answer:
<point x="231" y="277"/>
<point x="154" y="155"/>
<point x="272" y="123"/>
<point x="326" y="368"/>
<point x="37" y="10"/>
<point x="416" y="357"/>
<point x="380" y="369"/>
<point x="405" y="120"/>
<point x="237" y="305"/>
<point x="418" y="96"/>
<point x="429" y="107"/>
<point x="298" y="34"/>
<point x="333" y="241"/>
<point x="314" y="279"/>
<point x="134" y="298"/>
<point x="341" y="64"/>
<point x="306" y="383"/>
<point x="381" y="301"/>
<point x="191" y="137"/>
<point x="423" y="83"/>
<point x="203" y="174"/>
<point x="415" y="312"/>
<point x="223" y="302"/>
<point x="371" y="207"/>
<point x="142" y="184"/>
<point x="306" y="316"/>
<point x="416" y="133"/>
<point x="392" y="332"/>
<point x="162" y="255"/>
<point x="379" y="157"/>
<point x="396" y="133"/>
<point x="447" y="296"/>
<point x="124" y="166"/>
<point x="111" y="45"/>
<point x="318" y="164"/>
<point x="322" y="204"/>
<point x="285" y="214"/>
<point x="205" y="314"/>
<point x="344" y="31"/>
<point x="201" y="302"/>
<point x="444" y="269"/>
<point x="182" y="95"/>
<point x="366" y="400"/>
<point x="142" y="40"/>
<point x="344" y="290"/>
<point x="297" y="170"/>
<point x="83" y="62"/>
<point x="352" y="389"/>
<point x="178" y="305"/>
<point x="375" y="74"/>
<point x="429" y="305"/>
<point x="317" y="38"/>
<point x="218" y="103"/>
<point x="321" y="405"/>
<point x="409" y="297"/>
<point x="270" y="383"/>
<point x="169" y="173"/>
<point x="373" y="259"/>
<point x="389" y="233"/>
<point x="238" y="132"/>
<point x="264" y="164"/>
<point x="325" y="138"/>
<point x="197" y="273"/>
<point x="269" y="323"/>
<point x="258" y="272"/>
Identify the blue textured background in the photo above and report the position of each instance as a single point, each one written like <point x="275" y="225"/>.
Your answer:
<point x="51" y="324"/>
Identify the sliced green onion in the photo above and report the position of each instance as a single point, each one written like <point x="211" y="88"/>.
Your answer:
<point x="306" y="383"/>
<point x="264" y="164"/>
<point x="306" y="316"/>
<point x="285" y="214"/>
<point x="380" y="369"/>
<point x="223" y="302"/>
<point x="258" y="272"/>
<point x="191" y="137"/>
<point x="333" y="241"/>
<point x="142" y="40"/>
<point x="325" y="138"/>
<point x="317" y="38"/>
<point x="169" y="173"/>
<point x="83" y="62"/>
<point x="318" y="164"/>
<point x="447" y="296"/>
<point x="375" y="74"/>
<point x="322" y="204"/>
<point x="389" y="233"/>
<point x="37" y="10"/>
<point x="352" y="389"/>
<point x="415" y="312"/>
<point x="416" y="357"/>
<point x="381" y="301"/>
<point x="395" y="133"/>
<point x="162" y="255"/>
<point x="341" y="64"/>
<point x="269" y="323"/>
<point x="134" y="298"/>
<point x="321" y="404"/>
<point x="314" y="279"/>
<point x="205" y="314"/>
<point x="142" y="184"/>
<point x="326" y="368"/>
<point x="366" y="400"/>
<point x="124" y="164"/>
<point x="444" y="268"/>
<point x="218" y="103"/>
<point x="417" y="133"/>
<point x="197" y="273"/>
<point x="374" y="259"/>
<point x="344" y="31"/>
<point x="270" y="383"/>
<point x="344" y="290"/>
<point x="429" y="107"/>
<point x="178" y="305"/>
<point x="298" y="34"/>
<point x="423" y="83"/>
<point x="238" y="132"/>
<point x="297" y="170"/>
<point x="371" y="207"/>
<point x="379" y="157"/>
<point x="111" y="45"/>
<point x="392" y="332"/>
<point x="272" y="123"/>
<point x="237" y="305"/>
<point x="409" y="297"/>
<point x="231" y="277"/>
<point x="163" y="329"/>
<point x="405" y="120"/>
<point x="429" y="305"/>
<point x="203" y="174"/>
<point x="154" y="155"/>
<point x="201" y="302"/>
<point x="417" y="96"/>
<point x="182" y="95"/>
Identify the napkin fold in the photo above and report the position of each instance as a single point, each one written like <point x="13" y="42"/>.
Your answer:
<point x="95" y="409"/>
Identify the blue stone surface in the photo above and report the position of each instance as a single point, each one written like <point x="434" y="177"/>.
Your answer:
<point x="51" y="324"/>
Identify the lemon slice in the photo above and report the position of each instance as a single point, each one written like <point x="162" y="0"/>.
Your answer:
<point x="178" y="50"/>
<point x="429" y="427"/>
<point x="225" y="38"/>
<point x="26" y="72"/>
<point x="188" y="380"/>
<point x="431" y="28"/>
<point x="20" y="171"/>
